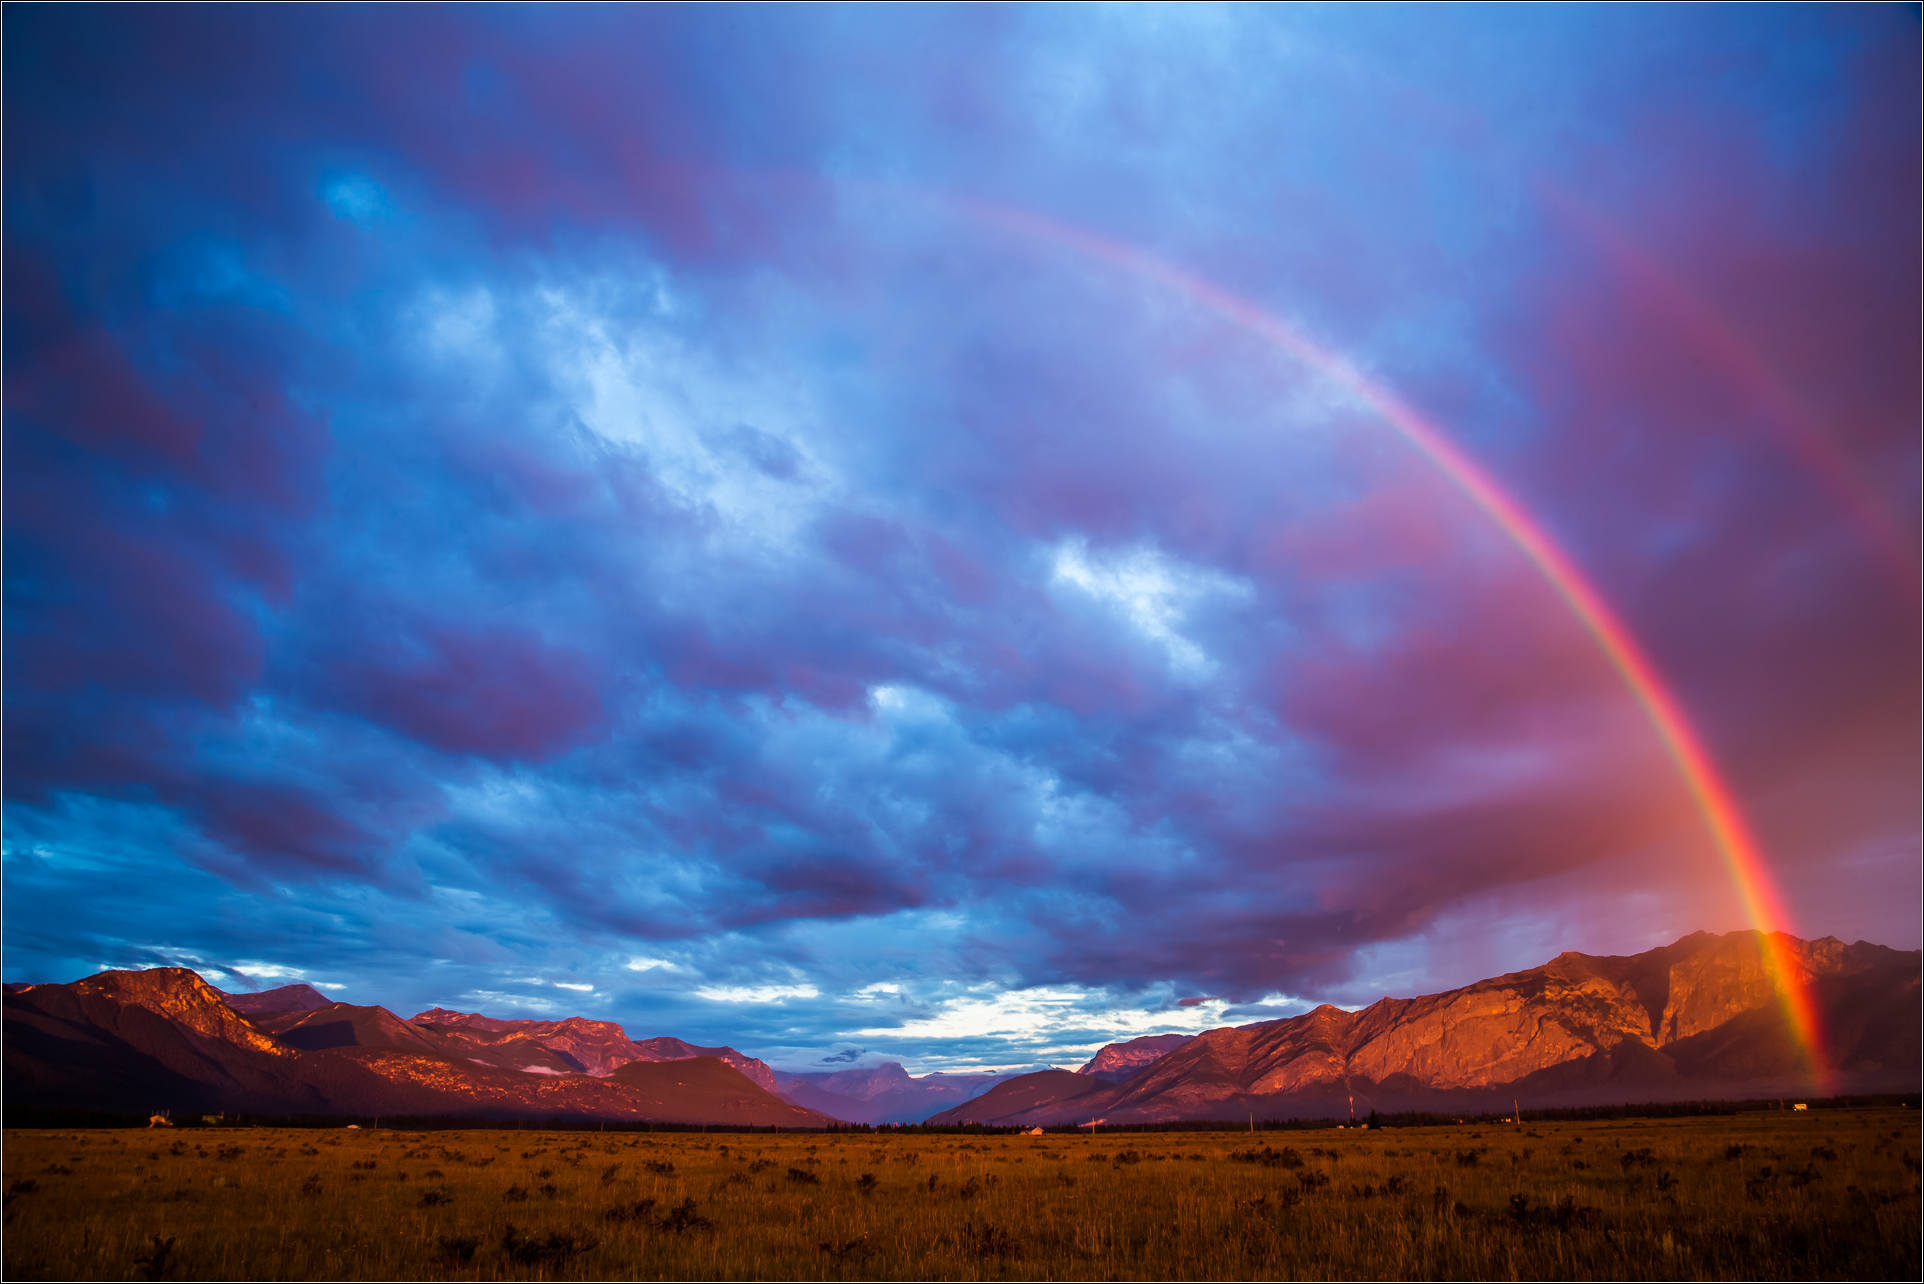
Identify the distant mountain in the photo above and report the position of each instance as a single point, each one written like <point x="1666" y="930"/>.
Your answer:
<point x="275" y="1002"/>
<point x="667" y="1048"/>
<point x="706" y="1089"/>
<point x="1695" y="1019"/>
<point x="348" y="1025"/>
<point x="1047" y="1096"/>
<point x="574" y="1044"/>
<point x="165" y="1038"/>
<point x="882" y="1094"/>
<point x="863" y="1083"/>
<point x="1122" y="1061"/>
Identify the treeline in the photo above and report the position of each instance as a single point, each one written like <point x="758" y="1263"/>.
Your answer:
<point x="68" y="1117"/>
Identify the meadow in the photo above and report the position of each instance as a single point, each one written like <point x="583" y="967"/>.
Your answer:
<point x="1828" y="1194"/>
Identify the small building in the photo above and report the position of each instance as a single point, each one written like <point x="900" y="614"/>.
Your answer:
<point x="1032" y="1132"/>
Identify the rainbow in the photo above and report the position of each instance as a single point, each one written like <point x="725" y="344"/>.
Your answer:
<point x="1742" y="856"/>
<point x="1717" y="338"/>
<point x="1783" y="412"/>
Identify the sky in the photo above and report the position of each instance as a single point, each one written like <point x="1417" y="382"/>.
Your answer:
<point x="796" y="528"/>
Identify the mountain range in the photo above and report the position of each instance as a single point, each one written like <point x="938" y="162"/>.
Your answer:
<point x="163" y="1037"/>
<point x="886" y="1093"/>
<point x="1697" y="1019"/>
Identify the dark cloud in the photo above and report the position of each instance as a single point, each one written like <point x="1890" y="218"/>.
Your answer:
<point x="617" y="495"/>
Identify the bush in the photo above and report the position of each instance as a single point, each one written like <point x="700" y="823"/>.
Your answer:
<point x="551" y="1249"/>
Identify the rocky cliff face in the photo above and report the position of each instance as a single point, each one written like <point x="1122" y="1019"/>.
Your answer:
<point x="1700" y="1017"/>
<point x="1120" y="1061"/>
<point x="574" y="1044"/>
<point x="141" y="1041"/>
<point x="182" y="998"/>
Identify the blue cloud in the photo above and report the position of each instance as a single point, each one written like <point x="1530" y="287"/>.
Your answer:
<point x="502" y="494"/>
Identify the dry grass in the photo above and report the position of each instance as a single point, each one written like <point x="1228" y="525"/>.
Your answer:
<point x="1829" y="1194"/>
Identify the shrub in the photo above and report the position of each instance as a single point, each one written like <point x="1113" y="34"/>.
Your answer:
<point x="1287" y="1157"/>
<point x="551" y="1249"/>
<point x="989" y="1240"/>
<point x="857" y="1249"/>
<point x="158" y="1262"/>
<point x="629" y="1212"/>
<point x="455" y="1250"/>
<point x="683" y="1217"/>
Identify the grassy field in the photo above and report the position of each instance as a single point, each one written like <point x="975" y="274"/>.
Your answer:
<point x="1823" y="1195"/>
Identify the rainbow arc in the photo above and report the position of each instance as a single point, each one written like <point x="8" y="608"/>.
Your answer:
<point x="1737" y="847"/>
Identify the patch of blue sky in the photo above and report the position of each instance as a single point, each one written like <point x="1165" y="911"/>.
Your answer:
<point x="355" y="197"/>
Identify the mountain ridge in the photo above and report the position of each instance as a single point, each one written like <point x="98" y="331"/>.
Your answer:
<point x="163" y="1037"/>
<point x="1697" y="1018"/>
<point x="581" y="1044"/>
<point x="1693" y="1018"/>
<point x="1126" y="1060"/>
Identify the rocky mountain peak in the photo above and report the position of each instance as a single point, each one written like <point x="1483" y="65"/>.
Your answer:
<point x="277" y="1001"/>
<point x="1120" y="1061"/>
<point x="181" y="996"/>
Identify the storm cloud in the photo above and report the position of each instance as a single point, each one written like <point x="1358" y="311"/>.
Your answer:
<point x="507" y="501"/>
